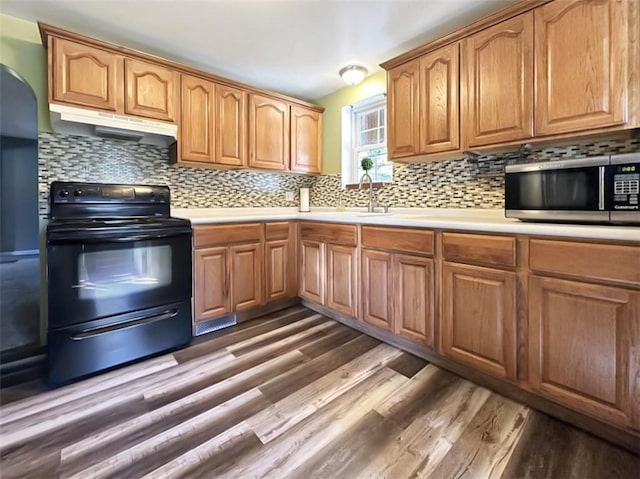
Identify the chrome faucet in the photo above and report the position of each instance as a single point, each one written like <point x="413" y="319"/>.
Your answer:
<point x="370" y="208"/>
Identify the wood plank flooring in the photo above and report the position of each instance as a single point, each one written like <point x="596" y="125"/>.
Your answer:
<point x="292" y="394"/>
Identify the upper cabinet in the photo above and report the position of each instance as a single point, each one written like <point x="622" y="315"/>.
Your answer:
<point x="268" y="133"/>
<point x="152" y="90"/>
<point x="402" y="110"/>
<point x="580" y="63"/>
<point x="439" y="100"/>
<point x="221" y="123"/>
<point x="306" y="140"/>
<point x="534" y="71"/>
<point x="231" y="126"/>
<point x="86" y="76"/>
<point x="497" y="71"/>
<point x="197" y="119"/>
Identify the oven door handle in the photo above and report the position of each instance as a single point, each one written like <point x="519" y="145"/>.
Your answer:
<point x="93" y="332"/>
<point x="83" y="237"/>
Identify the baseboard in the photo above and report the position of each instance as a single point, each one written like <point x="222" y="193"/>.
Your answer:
<point x="626" y="439"/>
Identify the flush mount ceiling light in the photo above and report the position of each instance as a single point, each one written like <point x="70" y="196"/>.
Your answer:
<point x="353" y="74"/>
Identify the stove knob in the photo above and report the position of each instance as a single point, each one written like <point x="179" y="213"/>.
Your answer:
<point x="152" y="196"/>
<point x="63" y="193"/>
<point x="77" y="193"/>
<point x="161" y="197"/>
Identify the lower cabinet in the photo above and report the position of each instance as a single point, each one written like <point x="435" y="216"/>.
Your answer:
<point x="377" y="288"/>
<point x="478" y="320"/>
<point x="398" y="294"/>
<point x="312" y="270"/>
<point x="246" y="275"/>
<point x="277" y="264"/>
<point x="212" y="286"/>
<point x="341" y="279"/>
<point x="414" y="286"/>
<point x="584" y="346"/>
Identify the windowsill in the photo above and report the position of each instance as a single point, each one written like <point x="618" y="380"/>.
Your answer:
<point x="376" y="184"/>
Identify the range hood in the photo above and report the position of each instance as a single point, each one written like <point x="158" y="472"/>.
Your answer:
<point x="80" y="121"/>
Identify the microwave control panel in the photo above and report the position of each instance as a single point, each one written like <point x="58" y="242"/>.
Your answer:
<point x="624" y="181"/>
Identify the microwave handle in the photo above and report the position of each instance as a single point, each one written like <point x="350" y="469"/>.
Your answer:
<point x="601" y="188"/>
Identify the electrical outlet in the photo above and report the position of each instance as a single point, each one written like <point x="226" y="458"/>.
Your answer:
<point x="288" y="196"/>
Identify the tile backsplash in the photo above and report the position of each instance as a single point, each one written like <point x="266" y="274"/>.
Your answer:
<point x="79" y="158"/>
<point x="453" y="183"/>
<point x="457" y="183"/>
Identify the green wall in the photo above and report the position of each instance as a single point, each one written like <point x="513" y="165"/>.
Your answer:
<point x="332" y="119"/>
<point x="21" y="49"/>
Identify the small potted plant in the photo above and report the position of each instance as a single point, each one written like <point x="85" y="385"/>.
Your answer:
<point x="366" y="164"/>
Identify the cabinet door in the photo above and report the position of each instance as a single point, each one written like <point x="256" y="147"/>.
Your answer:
<point x="86" y="76"/>
<point x="584" y="347"/>
<point x="197" y="119"/>
<point x="479" y="318"/>
<point x="497" y="68"/>
<point x="246" y="275"/>
<point x="306" y="140"/>
<point x="212" y="295"/>
<point x="440" y="100"/>
<point x="341" y="279"/>
<point x="277" y="269"/>
<point x="403" y="110"/>
<point x="152" y="90"/>
<point x="377" y="288"/>
<point x="268" y="133"/>
<point x="413" y="282"/>
<point x="231" y="126"/>
<point x="580" y="65"/>
<point x="312" y="272"/>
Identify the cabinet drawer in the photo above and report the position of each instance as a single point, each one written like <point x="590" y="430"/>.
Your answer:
<point x="279" y="230"/>
<point x="398" y="239"/>
<point x="329" y="232"/>
<point x="225" y="234"/>
<point x="586" y="260"/>
<point x="485" y="249"/>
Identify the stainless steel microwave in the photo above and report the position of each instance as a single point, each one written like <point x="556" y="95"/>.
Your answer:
<point x="603" y="189"/>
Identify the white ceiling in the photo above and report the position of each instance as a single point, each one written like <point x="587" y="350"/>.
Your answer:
<point x="291" y="46"/>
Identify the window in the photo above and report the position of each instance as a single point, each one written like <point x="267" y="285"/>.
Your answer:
<point x="364" y="134"/>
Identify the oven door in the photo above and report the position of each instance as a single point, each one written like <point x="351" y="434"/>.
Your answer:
<point x="571" y="190"/>
<point x="95" y="277"/>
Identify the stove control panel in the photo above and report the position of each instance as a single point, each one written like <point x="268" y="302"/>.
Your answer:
<point x="73" y="192"/>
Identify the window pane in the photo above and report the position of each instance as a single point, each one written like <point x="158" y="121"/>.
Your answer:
<point x="368" y="138"/>
<point x="369" y="120"/>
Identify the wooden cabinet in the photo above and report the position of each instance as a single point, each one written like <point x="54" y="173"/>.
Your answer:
<point x="211" y="290"/>
<point x="246" y="275"/>
<point x="580" y="63"/>
<point x="281" y="265"/>
<point x="268" y="133"/>
<point x="278" y="269"/>
<point x="306" y="140"/>
<point x="584" y="345"/>
<point x="231" y="126"/>
<point x="414" y="298"/>
<point x="403" y="84"/>
<point x="341" y="279"/>
<point x="439" y="100"/>
<point x="197" y="119"/>
<point x="312" y="270"/>
<point x="151" y="90"/>
<point x="86" y="76"/>
<point x="377" y="288"/>
<point x="478" y="319"/>
<point x="497" y="71"/>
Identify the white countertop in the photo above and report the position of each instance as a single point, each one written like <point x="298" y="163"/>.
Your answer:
<point x="466" y="219"/>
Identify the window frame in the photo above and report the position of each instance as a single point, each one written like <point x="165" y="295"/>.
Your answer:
<point x="350" y="140"/>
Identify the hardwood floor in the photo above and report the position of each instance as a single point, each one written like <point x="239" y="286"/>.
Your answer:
<point x="292" y="394"/>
